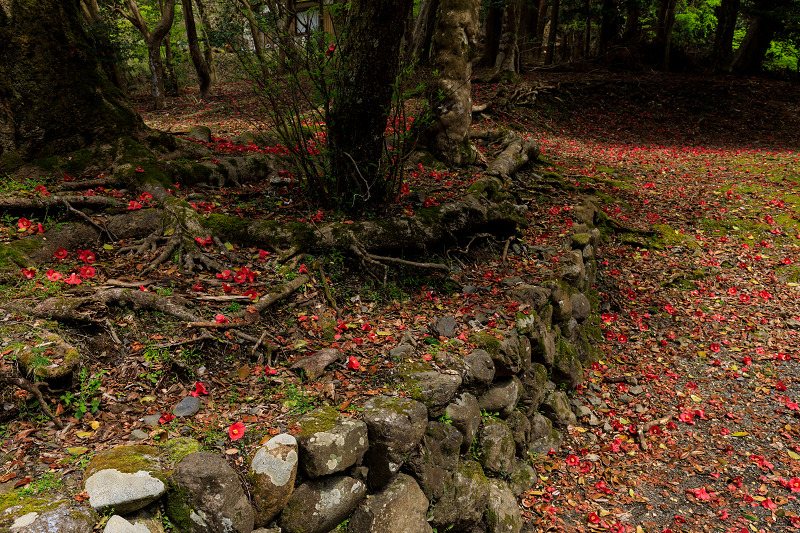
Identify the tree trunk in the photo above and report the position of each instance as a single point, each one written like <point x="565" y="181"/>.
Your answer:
<point x="587" y="28"/>
<point x="208" y="49"/>
<point x="54" y="96"/>
<point x="727" y="13"/>
<point x="258" y="48"/>
<point x="609" y="28"/>
<point x="194" y="49"/>
<point x="170" y="79"/>
<point x="362" y="101"/>
<point x="541" y="22"/>
<point x="107" y="51"/>
<point x="632" y="23"/>
<point x="666" y="21"/>
<point x="492" y="33"/>
<point x="450" y="93"/>
<point x="757" y="40"/>
<point x="551" y="38"/>
<point x="156" y="75"/>
<point x="421" y="35"/>
<point x="508" y="52"/>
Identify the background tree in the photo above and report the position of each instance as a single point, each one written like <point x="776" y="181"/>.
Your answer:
<point x="198" y="59"/>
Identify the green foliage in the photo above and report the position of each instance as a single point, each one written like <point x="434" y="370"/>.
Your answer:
<point x="87" y="398"/>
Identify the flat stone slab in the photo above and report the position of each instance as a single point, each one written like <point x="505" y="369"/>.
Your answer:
<point x="189" y="406"/>
<point x="123" y="492"/>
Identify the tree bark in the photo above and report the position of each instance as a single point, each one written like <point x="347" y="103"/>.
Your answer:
<point x="587" y="28"/>
<point x="421" y="35"/>
<point x="609" y="29"/>
<point x="751" y="52"/>
<point x="492" y="33"/>
<point x="508" y="52"/>
<point x="199" y="61"/>
<point x="450" y="93"/>
<point x="208" y="50"/>
<point x="666" y="21"/>
<point x="551" y="37"/>
<point x="54" y="96"/>
<point x="727" y="13"/>
<point x="362" y="101"/>
<point x="632" y="23"/>
<point x="106" y="49"/>
<point x="541" y="22"/>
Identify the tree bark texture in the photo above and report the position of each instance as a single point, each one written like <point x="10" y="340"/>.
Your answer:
<point x="666" y="21"/>
<point x="541" y="22"/>
<point x="421" y="35"/>
<point x="609" y="28"/>
<point x="727" y="13"/>
<point x="553" y="34"/>
<point x="450" y="92"/>
<point x="54" y="96"/>
<point x="362" y="102"/>
<point x="751" y="52"/>
<point x="508" y="52"/>
<point x="199" y="61"/>
<point x="493" y="28"/>
<point x="208" y="50"/>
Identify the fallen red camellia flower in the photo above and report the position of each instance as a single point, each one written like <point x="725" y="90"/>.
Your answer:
<point x="353" y="364"/>
<point x="236" y="431"/>
<point x="199" y="389"/>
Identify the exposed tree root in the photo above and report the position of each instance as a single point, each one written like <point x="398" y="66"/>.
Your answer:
<point x="278" y="294"/>
<point x="102" y="229"/>
<point x="33" y="388"/>
<point x="517" y="153"/>
<point x="44" y="202"/>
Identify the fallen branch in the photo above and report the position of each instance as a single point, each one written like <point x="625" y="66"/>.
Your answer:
<point x="269" y="299"/>
<point x="515" y="155"/>
<point x="33" y="388"/>
<point x="45" y="202"/>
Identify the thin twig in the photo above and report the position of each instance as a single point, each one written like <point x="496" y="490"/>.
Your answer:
<point x="87" y="218"/>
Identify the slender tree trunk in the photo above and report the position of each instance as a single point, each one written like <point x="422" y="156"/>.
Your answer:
<point x="493" y="31"/>
<point x="363" y="98"/>
<point x="54" y="96"/>
<point x="541" y="22"/>
<point x="632" y="24"/>
<point x="156" y="75"/>
<point x="422" y="33"/>
<point x="450" y="94"/>
<point x="551" y="38"/>
<point x="527" y="29"/>
<point x="587" y="28"/>
<point x="508" y="52"/>
<point x="666" y="21"/>
<point x="199" y="61"/>
<point x="757" y="40"/>
<point x="170" y="79"/>
<point x="727" y="13"/>
<point x="208" y="49"/>
<point x="255" y="33"/>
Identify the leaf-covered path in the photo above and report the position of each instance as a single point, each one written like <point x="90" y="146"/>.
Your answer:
<point x="694" y="422"/>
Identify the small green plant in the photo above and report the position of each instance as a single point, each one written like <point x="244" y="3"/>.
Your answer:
<point x="48" y="482"/>
<point x="233" y="308"/>
<point x="87" y="399"/>
<point x="445" y="418"/>
<point x="343" y="525"/>
<point x="297" y="401"/>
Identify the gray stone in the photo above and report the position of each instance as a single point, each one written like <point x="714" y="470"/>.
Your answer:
<point x="314" y="365"/>
<point x="320" y="505"/>
<point x="593" y="420"/>
<point x="434" y="389"/>
<point x="497" y="447"/>
<point x="555" y="406"/>
<point x="117" y="524"/>
<point x="189" y="406"/>
<point x="464" y="501"/>
<point x="445" y="326"/>
<point x="330" y="442"/>
<point x="582" y="411"/>
<point x="123" y="492"/>
<point x="581" y="308"/>
<point x="543" y="436"/>
<point x="272" y="474"/>
<point x="152" y="420"/>
<point x="403" y="350"/>
<point x="510" y="281"/>
<point x="138" y="434"/>
<point x="636" y="390"/>
<point x="523" y="478"/>
<point x="625" y="398"/>
<point x="561" y="298"/>
<point x="478" y="370"/>
<point x="465" y="415"/>
<point x="400" y="507"/>
<point x="395" y="427"/>
<point x="57" y="367"/>
<point x="567" y="368"/>
<point x="544" y="349"/>
<point x="502" y="396"/>
<point x="531" y="295"/>
<point x="201" y="133"/>
<point x="432" y="464"/>
<point x="64" y="519"/>
<point x="520" y="428"/>
<point x="207" y="491"/>
<point x="533" y="388"/>
<point x="502" y="512"/>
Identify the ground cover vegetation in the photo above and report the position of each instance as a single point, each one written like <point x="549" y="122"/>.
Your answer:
<point x="155" y="259"/>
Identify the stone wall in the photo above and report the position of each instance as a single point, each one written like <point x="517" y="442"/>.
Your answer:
<point x="451" y="450"/>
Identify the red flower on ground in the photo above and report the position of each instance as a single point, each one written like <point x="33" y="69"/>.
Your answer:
<point x="572" y="460"/>
<point x="236" y="431"/>
<point x="793" y="484"/>
<point x="41" y="189"/>
<point x="87" y="271"/>
<point x="166" y="418"/>
<point x="86" y="256"/>
<point x="52" y="275"/>
<point x="23" y="224"/>
<point x="73" y="280"/>
<point x="133" y="205"/>
<point x="199" y="389"/>
<point x="303" y="269"/>
<point x="145" y="197"/>
<point x="60" y="253"/>
<point x="353" y="364"/>
<point x="220" y="319"/>
<point x="29" y="272"/>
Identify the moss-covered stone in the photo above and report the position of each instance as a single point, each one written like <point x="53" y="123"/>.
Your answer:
<point x="173" y="450"/>
<point x="128" y="460"/>
<point x="49" y="358"/>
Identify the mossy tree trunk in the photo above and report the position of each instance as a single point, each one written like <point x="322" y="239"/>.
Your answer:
<point x="450" y="91"/>
<point x="757" y="40"/>
<point x="507" y="59"/>
<point x="421" y="35"/>
<point x="54" y="96"/>
<point x="370" y="49"/>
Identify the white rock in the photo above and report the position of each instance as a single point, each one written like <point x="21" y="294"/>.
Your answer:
<point x="125" y="493"/>
<point x="117" y="524"/>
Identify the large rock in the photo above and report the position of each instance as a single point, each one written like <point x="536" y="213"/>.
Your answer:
<point x="543" y="436"/>
<point x="434" y="389"/>
<point x="479" y="370"/>
<point x="533" y="388"/>
<point x="272" y="474"/>
<point x="543" y="349"/>
<point x="320" y="505"/>
<point x="206" y="495"/>
<point x="117" y="524"/>
<point x="567" y="368"/>
<point x="555" y="406"/>
<point x="201" y="133"/>
<point x="507" y="352"/>
<point x="314" y="365"/>
<point x="465" y="416"/>
<point x="581" y="307"/>
<point x="395" y="427"/>
<point x="520" y="428"/>
<point x="502" y="396"/>
<point x="433" y="463"/>
<point x="48" y="358"/>
<point x="523" y="478"/>
<point x="330" y="442"/>
<point x="125" y="478"/>
<point x="444" y="326"/>
<point x="464" y="501"/>
<point x="400" y="507"/>
<point x="502" y="512"/>
<point x="497" y="447"/>
<point x="561" y="298"/>
<point x="44" y="513"/>
<point x="531" y="295"/>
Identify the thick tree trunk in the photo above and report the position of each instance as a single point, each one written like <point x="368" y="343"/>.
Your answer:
<point x="508" y="52"/>
<point x="751" y="52"/>
<point x="421" y="35"/>
<point x="632" y="23"/>
<point x="493" y="28"/>
<point x="450" y="93"/>
<point x="551" y="37"/>
<point x="199" y="61"/>
<point x="54" y="96"/>
<point x="727" y="13"/>
<point x="156" y="75"/>
<point x="666" y="21"/>
<point x="106" y="50"/>
<point x="527" y="29"/>
<point x="362" y="101"/>
<point x="609" y="29"/>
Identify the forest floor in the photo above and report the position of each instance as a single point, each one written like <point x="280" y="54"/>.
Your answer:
<point x="701" y="321"/>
